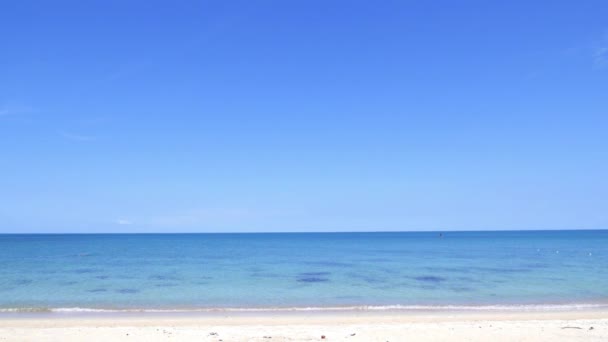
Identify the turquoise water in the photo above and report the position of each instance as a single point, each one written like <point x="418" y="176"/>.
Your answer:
<point x="331" y="270"/>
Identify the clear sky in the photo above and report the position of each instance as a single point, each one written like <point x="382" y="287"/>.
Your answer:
<point x="213" y="116"/>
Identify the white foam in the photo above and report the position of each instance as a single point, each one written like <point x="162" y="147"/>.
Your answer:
<point x="522" y="307"/>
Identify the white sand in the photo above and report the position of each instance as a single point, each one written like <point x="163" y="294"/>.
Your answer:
<point x="354" y="326"/>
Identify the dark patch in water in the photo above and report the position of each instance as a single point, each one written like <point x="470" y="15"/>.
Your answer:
<point x="127" y="291"/>
<point x="23" y="281"/>
<point x="84" y="255"/>
<point x="71" y="282"/>
<point x="312" y="280"/>
<point x="461" y="289"/>
<point x="329" y="263"/>
<point x="102" y="277"/>
<point x="313" y="274"/>
<point x="430" y="279"/>
<point x="427" y="287"/>
<point x="85" y="270"/>
<point x="166" y="285"/>
<point x="97" y="290"/>
<point x="162" y="277"/>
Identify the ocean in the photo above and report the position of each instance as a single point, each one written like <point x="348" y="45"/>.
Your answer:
<point x="302" y="271"/>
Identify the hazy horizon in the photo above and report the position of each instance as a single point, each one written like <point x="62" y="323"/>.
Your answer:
<point x="299" y="232"/>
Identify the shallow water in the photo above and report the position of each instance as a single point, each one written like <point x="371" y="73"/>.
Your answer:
<point x="199" y="271"/>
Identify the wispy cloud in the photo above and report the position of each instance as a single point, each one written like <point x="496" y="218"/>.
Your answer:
<point x="14" y="110"/>
<point x="123" y="222"/>
<point x="76" y="136"/>
<point x="600" y="57"/>
<point x="600" y="53"/>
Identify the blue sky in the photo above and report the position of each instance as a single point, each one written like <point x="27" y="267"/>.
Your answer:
<point x="213" y="116"/>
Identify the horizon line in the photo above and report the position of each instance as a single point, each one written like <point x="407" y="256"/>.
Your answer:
<point x="306" y="232"/>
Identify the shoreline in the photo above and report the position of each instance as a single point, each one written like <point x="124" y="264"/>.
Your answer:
<point x="318" y="316"/>
<point x="397" y="308"/>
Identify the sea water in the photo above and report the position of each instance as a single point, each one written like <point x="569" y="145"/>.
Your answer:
<point x="303" y="270"/>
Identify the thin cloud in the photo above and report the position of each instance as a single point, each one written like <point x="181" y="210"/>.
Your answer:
<point x="600" y="53"/>
<point x="123" y="222"/>
<point x="13" y="110"/>
<point x="77" y="137"/>
<point x="600" y="57"/>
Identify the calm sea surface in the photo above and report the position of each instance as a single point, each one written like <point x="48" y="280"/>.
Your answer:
<point x="202" y="271"/>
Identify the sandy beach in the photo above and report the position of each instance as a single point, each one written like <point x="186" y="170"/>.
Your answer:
<point x="353" y="326"/>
